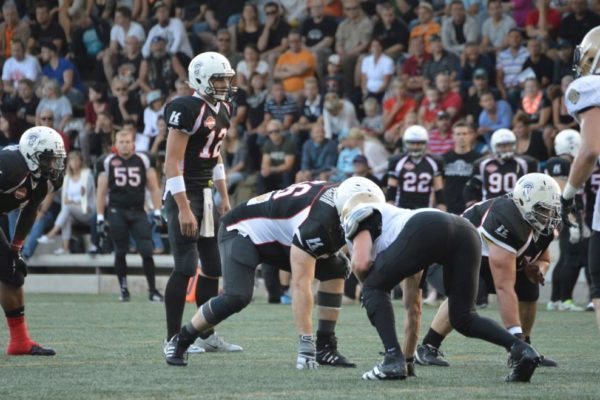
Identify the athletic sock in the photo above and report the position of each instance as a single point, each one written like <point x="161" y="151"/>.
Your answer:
<point x="433" y="338"/>
<point x="20" y="342"/>
<point x="206" y="289"/>
<point x="150" y="272"/>
<point x="175" y="302"/>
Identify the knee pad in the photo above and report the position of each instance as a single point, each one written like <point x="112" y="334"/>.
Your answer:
<point x="16" y="279"/>
<point x="219" y="308"/>
<point x="330" y="300"/>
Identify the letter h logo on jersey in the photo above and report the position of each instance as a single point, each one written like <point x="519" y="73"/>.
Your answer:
<point x="314" y="244"/>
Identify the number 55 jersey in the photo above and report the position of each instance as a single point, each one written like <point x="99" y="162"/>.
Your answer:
<point x="207" y="125"/>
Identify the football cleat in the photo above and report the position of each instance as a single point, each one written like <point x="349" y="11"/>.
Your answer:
<point x="392" y="367"/>
<point x="176" y="352"/>
<point x="547" y="362"/>
<point x="215" y="343"/>
<point x="429" y="355"/>
<point x="569" y="305"/>
<point x="193" y="349"/>
<point x="124" y="296"/>
<point x="34" y="349"/>
<point x="552" y="305"/>
<point x="155" y="297"/>
<point x="328" y="354"/>
<point x="523" y="360"/>
<point x="590" y="306"/>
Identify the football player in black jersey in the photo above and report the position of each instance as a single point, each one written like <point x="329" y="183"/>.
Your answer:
<point x="412" y="178"/>
<point x="583" y="103"/>
<point x="193" y="164"/>
<point x="296" y="229"/>
<point x="573" y="249"/>
<point x="516" y="230"/>
<point x="389" y="244"/>
<point x="497" y="174"/>
<point x="28" y="172"/>
<point x="126" y="176"/>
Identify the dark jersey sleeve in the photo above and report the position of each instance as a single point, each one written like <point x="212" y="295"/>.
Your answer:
<point x="532" y="164"/>
<point x="557" y="167"/>
<point x="373" y="223"/>
<point x="179" y="116"/>
<point x="313" y="237"/>
<point x="11" y="176"/>
<point x="503" y="227"/>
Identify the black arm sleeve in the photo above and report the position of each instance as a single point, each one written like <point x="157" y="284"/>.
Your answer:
<point x="373" y="223"/>
<point x="472" y="190"/>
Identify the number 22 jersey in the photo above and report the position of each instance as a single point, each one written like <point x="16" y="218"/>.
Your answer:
<point x="207" y="125"/>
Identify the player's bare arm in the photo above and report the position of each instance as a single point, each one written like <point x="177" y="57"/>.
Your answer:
<point x="303" y="273"/>
<point x="361" y="256"/>
<point x="220" y="182"/>
<point x="503" y="265"/>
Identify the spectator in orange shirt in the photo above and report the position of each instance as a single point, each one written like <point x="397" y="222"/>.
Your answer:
<point x="332" y="7"/>
<point x="396" y="108"/>
<point x="11" y="28"/>
<point x="295" y="65"/>
<point x="426" y="27"/>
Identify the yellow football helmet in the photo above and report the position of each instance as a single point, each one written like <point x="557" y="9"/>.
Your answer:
<point x="587" y="54"/>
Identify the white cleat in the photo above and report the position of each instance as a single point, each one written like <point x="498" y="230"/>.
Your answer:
<point x="215" y="343"/>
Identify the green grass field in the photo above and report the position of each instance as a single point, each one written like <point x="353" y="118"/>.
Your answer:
<point x="108" y="350"/>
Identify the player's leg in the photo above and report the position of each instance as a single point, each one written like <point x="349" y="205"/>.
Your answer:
<point x="413" y="307"/>
<point x="428" y="352"/>
<point x="141" y="230"/>
<point x="185" y="256"/>
<point x="569" y="274"/>
<point x="119" y="233"/>
<point x="240" y="259"/>
<point x="13" y="303"/>
<point x="331" y="273"/>
<point x="207" y="287"/>
<point x="594" y="266"/>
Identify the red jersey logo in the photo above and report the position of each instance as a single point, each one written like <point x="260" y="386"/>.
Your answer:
<point x="20" y="193"/>
<point x="210" y="122"/>
<point x="409" y="166"/>
<point x="491" y="168"/>
<point x="116" y="162"/>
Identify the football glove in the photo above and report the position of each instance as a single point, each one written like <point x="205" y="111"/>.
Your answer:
<point x="567" y="208"/>
<point x="306" y="353"/>
<point x="19" y="263"/>
<point x="157" y="218"/>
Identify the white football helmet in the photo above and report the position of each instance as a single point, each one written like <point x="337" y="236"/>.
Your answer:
<point x="507" y="140"/>
<point x="586" y="56"/>
<point x="567" y="141"/>
<point x="44" y="151"/>
<point x="208" y="66"/>
<point x="537" y="197"/>
<point x="415" y="140"/>
<point x="354" y="185"/>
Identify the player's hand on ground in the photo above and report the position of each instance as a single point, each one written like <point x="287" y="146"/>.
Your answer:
<point x="306" y="353"/>
<point x="188" y="223"/>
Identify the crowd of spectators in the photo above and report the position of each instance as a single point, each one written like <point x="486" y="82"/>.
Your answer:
<point x="326" y="87"/>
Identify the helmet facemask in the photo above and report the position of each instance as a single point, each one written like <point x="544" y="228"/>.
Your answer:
<point x="585" y="63"/>
<point x="220" y="94"/>
<point x="505" y="151"/>
<point x="415" y="149"/>
<point x="543" y="218"/>
<point x="51" y="165"/>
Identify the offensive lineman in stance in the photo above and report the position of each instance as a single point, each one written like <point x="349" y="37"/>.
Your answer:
<point x="296" y="229"/>
<point x="583" y="103"/>
<point x="197" y="125"/>
<point x="28" y="172"/>
<point x="389" y="244"/>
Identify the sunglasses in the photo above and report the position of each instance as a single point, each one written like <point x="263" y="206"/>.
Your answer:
<point x="351" y="8"/>
<point x="274" y="131"/>
<point x="47" y="118"/>
<point x="271" y="12"/>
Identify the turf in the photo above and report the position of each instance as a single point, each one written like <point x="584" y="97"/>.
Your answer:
<point x="108" y="350"/>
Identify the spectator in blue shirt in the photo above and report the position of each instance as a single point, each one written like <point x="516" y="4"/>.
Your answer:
<point x="318" y="155"/>
<point x="63" y="71"/>
<point x="496" y="114"/>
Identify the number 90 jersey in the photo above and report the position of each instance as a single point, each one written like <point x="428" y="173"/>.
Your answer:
<point x="499" y="177"/>
<point x="302" y="214"/>
<point x="207" y="126"/>
<point x="414" y="179"/>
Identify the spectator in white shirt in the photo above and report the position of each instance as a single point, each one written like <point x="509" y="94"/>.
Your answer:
<point x="376" y="71"/>
<point x="339" y="116"/>
<point x="171" y="29"/>
<point x="156" y="103"/>
<point x="19" y="66"/>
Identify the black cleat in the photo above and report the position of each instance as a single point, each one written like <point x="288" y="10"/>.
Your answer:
<point x="37" y="350"/>
<point x="124" y="296"/>
<point x="429" y="355"/>
<point x="176" y="352"/>
<point x="547" y="362"/>
<point x="155" y="296"/>
<point x="328" y="354"/>
<point x="393" y="367"/>
<point x="523" y="360"/>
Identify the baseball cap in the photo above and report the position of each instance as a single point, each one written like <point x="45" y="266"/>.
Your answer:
<point x="158" y="5"/>
<point x="426" y="5"/>
<point x="480" y="73"/>
<point x="152" y="96"/>
<point x="158" y="38"/>
<point x="360" y="159"/>
<point x="334" y="59"/>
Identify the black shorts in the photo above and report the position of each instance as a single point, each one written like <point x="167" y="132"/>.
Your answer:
<point x="524" y="288"/>
<point x="135" y="222"/>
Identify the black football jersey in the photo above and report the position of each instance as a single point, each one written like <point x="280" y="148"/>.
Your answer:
<point x="302" y="214"/>
<point x="557" y="167"/>
<point x="18" y="187"/>
<point x="499" y="221"/>
<point x="415" y="179"/>
<point x="458" y="169"/>
<point x="207" y="126"/>
<point x="127" y="180"/>
<point x="497" y="178"/>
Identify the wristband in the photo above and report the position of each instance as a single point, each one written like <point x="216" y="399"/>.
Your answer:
<point x="157" y="212"/>
<point x="569" y="191"/>
<point x="100" y="218"/>
<point x="175" y="185"/>
<point x="515" y="330"/>
<point x="16" y="245"/>
<point x="218" y="172"/>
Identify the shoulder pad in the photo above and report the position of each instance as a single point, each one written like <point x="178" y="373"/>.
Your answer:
<point x="582" y="94"/>
<point x="355" y="217"/>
